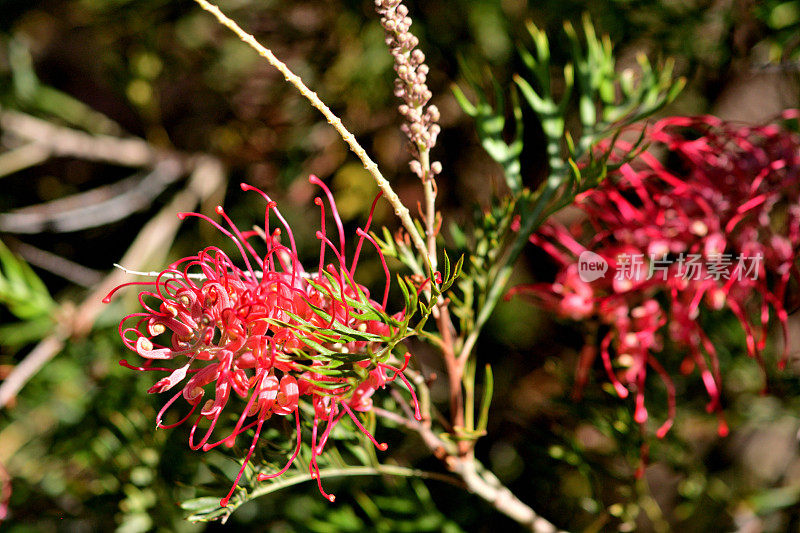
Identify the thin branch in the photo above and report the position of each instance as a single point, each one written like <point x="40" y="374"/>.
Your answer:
<point x="399" y="209"/>
<point x="69" y="270"/>
<point x="437" y="445"/>
<point x="154" y="239"/>
<point x="378" y="470"/>
<point x="29" y="366"/>
<point x="97" y="207"/>
<point x="198" y="275"/>
<point x="23" y="157"/>
<point x="455" y="369"/>
<point x="485" y="484"/>
<point x="67" y="142"/>
<point x="478" y="479"/>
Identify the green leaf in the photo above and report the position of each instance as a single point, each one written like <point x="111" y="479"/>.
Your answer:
<point x="488" y="390"/>
<point x="21" y="290"/>
<point x="20" y="333"/>
<point x="490" y="123"/>
<point x="199" y="504"/>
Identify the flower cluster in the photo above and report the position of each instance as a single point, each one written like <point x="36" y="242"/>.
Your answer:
<point x="409" y="63"/>
<point x="271" y="334"/>
<point x="733" y="191"/>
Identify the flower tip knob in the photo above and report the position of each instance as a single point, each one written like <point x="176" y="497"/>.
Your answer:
<point x="723" y="429"/>
<point x="382" y="446"/>
<point x="622" y="392"/>
<point x="107" y="299"/>
<point x="663" y="430"/>
<point x="219" y="210"/>
<point x="224" y="501"/>
<point x="331" y="498"/>
<point x="182" y="216"/>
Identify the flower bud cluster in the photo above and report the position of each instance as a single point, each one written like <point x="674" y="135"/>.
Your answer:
<point x="733" y="201"/>
<point x="421" y="125"/>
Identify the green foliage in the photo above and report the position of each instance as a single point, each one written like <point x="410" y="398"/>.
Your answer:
<point x="483" y="249"/>
<point x="783" y="18"/>
<point x="607" y="101"/>
<point x="21" y="290"/>
<point x="348" y="455"/>
<point x="28" y="92"/>
<point x="491" y="124"/>
<point x="579" y="158"/>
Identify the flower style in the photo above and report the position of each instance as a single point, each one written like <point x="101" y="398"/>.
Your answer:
<point x="721" y="231"/>
<point x="271" y="334"/>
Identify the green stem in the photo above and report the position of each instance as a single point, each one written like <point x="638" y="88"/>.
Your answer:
<point x="529" y="223"/>
<point x="380" y="470"/>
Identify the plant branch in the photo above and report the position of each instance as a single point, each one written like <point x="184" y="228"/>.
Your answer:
<point x="434" y="443"/>
<point x="97" y="207"/>
<point x="530" y="221"/>
<point x="455" y="369"/>
<point x="477" y="479"/>
<point x="68" y="142"/>
<point x="399" y="209"/>
<point x="25" y="370"/>
<point x="485" y="484"/>
<point x="154" y="238"/>
<point x="377" y="470"/>
<point x="60" y="266"/>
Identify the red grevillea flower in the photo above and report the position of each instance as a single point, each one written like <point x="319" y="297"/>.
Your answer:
<point x="260" y="339"/>
<point x="720" y="229"/>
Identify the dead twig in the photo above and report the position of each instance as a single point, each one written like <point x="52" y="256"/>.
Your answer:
<point x="151" y="244"/>
<point x="25" y="156"/>
<point x="54" y="263"/>
<point x="96" y="207"/>
<point x="67" y="142"/>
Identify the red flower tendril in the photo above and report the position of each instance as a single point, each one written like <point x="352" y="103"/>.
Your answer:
<point x="266" y="334"/>
<point x="735" y="195"/>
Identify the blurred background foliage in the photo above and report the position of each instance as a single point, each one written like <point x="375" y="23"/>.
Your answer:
<point x="78" y="441"/>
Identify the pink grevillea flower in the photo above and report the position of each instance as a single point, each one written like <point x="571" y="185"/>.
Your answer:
<point x="718" y="229"/>
<point x="5" y="492"/>
<point x="261" y="338"/>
